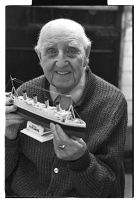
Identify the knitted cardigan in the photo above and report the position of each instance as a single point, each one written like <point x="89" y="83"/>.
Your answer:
<point x="33" y="170"/>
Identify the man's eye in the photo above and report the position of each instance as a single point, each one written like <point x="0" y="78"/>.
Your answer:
<point x="51" y="51"/>
<point x="72" y="51"/>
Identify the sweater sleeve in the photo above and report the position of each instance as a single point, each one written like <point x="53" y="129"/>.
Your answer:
<point x="103" y="175"/>
<point x="11" y="155"/>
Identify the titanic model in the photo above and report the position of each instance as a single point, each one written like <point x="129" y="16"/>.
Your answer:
<point x="40" y="115"/>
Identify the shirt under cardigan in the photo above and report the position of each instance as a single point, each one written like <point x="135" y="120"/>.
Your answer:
<point x="33" y="170"/>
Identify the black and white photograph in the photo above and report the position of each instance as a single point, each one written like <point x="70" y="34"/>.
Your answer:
<point x="69" y="101"/>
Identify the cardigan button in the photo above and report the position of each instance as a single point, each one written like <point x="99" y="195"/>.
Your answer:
<point x="56" y="170"/>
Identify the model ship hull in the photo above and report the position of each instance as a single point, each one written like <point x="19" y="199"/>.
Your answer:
<point x="37" y="117"/>
<point x="70" y="130"/>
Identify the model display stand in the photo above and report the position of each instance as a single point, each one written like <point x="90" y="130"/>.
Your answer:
<point x="37" y="132"/>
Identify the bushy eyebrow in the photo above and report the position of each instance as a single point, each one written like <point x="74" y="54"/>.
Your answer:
<point x="73" y="44"/>
<point x="48" y="44"/>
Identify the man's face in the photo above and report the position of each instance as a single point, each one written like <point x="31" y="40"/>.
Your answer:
<point x="63" y="58"/>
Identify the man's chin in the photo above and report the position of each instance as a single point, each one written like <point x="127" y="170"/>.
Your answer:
<point x="63" y="89"/>
<point x="63" y="86"/>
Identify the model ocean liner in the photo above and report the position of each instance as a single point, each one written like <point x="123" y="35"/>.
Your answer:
<point x="40" y="115"/>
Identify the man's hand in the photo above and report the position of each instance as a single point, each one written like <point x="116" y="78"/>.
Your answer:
<point x="13" y="120"/>
<point x="67" y="148"/>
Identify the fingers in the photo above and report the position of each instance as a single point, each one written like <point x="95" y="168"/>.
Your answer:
<point x="9" y="104"/>
<point x="59" y="134"/>
<point x="53" y="128"/>
<point x="74" y="147"/>
<point x="13" y="122"/>
<point x="7" y="94"/>
<point x="9" y="100"/>
<point x="13" y="119"/>
<point x="62" y="135"/>
<point x="56" y="139"/>
<point x="13" y="116"/>
<point x="77" y="139"/>
<point x="10" y="109"/>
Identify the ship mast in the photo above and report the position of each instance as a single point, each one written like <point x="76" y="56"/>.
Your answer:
<point x="72" y="111"/>
<point x="13" y="91"/>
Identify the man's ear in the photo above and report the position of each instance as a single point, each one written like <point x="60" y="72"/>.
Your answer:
<point x="38" y="53"/>
<point x="87" y="51"/>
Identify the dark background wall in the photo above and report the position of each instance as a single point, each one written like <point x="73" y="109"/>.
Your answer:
<point x="103" y="27"/>
<point x="102" y="24"/>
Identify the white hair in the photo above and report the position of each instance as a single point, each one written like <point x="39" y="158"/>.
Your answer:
<point x="63" y="22"/>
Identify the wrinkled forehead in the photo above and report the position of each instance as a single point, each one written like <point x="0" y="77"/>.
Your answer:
<point x="61" y="34"/>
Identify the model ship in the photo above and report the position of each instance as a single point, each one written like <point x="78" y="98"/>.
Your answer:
<point x="40" y="115"/>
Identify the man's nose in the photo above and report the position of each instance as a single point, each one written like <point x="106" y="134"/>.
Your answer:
<point x="61" y="59"/>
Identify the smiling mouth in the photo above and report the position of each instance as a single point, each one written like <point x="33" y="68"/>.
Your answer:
<point x="62" y="73"/>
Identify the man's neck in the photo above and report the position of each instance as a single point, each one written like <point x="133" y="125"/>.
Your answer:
<point x="75" y="93"/>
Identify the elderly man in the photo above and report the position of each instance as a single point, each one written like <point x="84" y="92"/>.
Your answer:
<point x="92" y="167"/>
